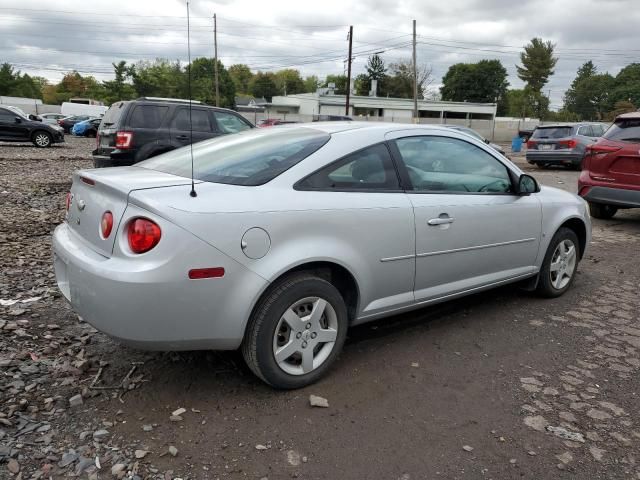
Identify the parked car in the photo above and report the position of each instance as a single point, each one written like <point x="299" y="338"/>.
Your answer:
<point x="561" y="144"/>
<point x="51" y="118"/>
<point x="297" y="232"/>
<point x="16" y="128"/>
<point x="135" y="130"/>
<point x="87" y="128"/>
<point x="67" y="123"/>
<point x="270" y="122"/>
<point x="473" y="133"/>
<point x="610" y="178"/>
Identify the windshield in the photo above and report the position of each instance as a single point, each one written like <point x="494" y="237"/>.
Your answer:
<point x="627" y="130"/>
<point x="252" y="157"/>
<point x="552" y="132"/>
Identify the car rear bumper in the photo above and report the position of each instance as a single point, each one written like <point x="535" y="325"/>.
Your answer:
<point x="152" y="304"/>
<point x="554" y="158"/>
<point x="617" y="197"/>
<point x="115" y="159"/>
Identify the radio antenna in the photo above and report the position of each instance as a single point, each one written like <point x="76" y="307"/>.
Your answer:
<point x="193" y="185"/>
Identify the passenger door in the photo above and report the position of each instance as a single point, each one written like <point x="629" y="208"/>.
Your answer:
<point x="361" y="206"/>
<point x="7" y="125"/>
<point x="471" y="229"/>
<point x="203" y="126"/>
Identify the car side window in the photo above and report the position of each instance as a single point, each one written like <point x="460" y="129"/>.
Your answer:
<point x="586" y="131"/>
<point x="7" y="117"/>
<point x="229" y="123"/>
<point x="367" y="169"/>
<point x="449" y="165"/>
<point x="200" y="118"/>
<point x="147" y="116"/>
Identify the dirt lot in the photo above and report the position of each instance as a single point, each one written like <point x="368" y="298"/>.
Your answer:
<point x="499" y="385"/>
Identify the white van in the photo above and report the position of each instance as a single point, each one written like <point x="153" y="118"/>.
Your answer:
<point x="68" y="109"/>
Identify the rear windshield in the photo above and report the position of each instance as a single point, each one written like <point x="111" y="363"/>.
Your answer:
<point x="252" y="157"/>
<point x="627" y="130"/>
<point x="113" y="114"/>
<point x="552" y="132"/>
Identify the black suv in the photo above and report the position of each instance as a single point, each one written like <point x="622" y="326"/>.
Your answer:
<point x="132" y="131"/>
<point x="16" y="128"/>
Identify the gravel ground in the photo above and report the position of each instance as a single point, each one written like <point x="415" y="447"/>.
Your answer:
<point x="497" y="385"/>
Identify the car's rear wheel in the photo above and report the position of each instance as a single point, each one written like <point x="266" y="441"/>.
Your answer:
<point x="602" y="211"/>
<point x="560" y="263"/>
<point x="296" y="331"/>
<point x="41" y="139"/>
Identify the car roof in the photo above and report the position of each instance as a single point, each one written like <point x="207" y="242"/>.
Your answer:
<point x="629" y="115"/>
<point x="338" y="127"/>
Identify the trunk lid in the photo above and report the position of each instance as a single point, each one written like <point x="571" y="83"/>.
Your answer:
<point x="95" y="192"/>
<point x="615" y="162"/>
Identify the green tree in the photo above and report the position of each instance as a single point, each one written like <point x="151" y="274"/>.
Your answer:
<point x="375" y="68"/>
<point x="15" y="84"/>
<point x="340" y="82"/>
<point x="362" y="84"/>
<point x="120" y="88"/>
<point x="483" y="82"/>
<point x="203" y="83"/>
<point x="289" y="81"/>
<point x="537" y="66"/>
<point x="159" y="78"/>
<point x="311" y="83"/>
<point x="399" y="83"/>
<point x="576" y="98"/>
<point x="241" y="75"/>
<point x="627" y="85"/>
<point x="620" y="107"/>
<point x="263" y="85"/>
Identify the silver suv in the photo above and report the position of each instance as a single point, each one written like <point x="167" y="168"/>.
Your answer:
<point x="562" y="144"/>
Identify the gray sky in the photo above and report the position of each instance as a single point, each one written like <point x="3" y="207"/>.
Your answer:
<point x="49" y="38"/>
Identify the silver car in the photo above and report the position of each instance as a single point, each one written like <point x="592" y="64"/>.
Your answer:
<point x="289" y="235"/>
<point x="562" y="144"/>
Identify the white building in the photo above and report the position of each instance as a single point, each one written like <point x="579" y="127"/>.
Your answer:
<point x="326" y="102"/>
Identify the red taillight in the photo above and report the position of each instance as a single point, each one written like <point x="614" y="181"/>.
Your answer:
<point x="67" y="201"/>
<point x="601" y="149"/>
<point x="106" y="224"/>
<point x="123" y="140"/>
<point x="200" y="273"/>
<point x="568" y="143"/>
<point x="531" y="144"/>
<point x="143" y="235"/>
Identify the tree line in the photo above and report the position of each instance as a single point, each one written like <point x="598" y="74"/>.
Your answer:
<point x="592" y="95"/>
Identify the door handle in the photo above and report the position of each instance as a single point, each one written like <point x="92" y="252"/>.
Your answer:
<point x="182" y="137"/>
<point x="440" y="221"/>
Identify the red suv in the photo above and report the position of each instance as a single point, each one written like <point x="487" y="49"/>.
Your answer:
<point x="610" y="177"/>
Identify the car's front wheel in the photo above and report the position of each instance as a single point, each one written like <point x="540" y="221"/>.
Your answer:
<point x="296" y="331"/>
<point x="560" y="263"/>
<point x="41" y="139"/>
<point x="602" y="211"/>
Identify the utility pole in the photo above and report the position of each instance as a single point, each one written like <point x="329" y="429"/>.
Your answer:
<point x="215" y="65"/>
<point x="415" y="77"/>
<point x="349" y="70"/>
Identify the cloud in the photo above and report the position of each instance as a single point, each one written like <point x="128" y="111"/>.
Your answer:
<point x="311" y="36"/>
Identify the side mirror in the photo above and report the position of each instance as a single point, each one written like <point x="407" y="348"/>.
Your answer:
<point x="487" y="141"/>
<point x="527" y="185"/>
<point x="18" y="120"/>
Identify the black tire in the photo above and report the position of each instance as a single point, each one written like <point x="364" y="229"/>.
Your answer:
<point x="41" y="139"/>
<point x="542" y="166"/>
<point x="258" y="344"/>
<point x="545" y="281"/>
<point x="602" y="211"/>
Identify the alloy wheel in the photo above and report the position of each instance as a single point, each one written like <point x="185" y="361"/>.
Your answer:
<point x="563" y="264"/>
<point x="42" y="139"/>
<point x="305" y="335"/>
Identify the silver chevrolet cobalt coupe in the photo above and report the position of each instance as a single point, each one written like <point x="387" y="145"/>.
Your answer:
<point x="298" y="232"/>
